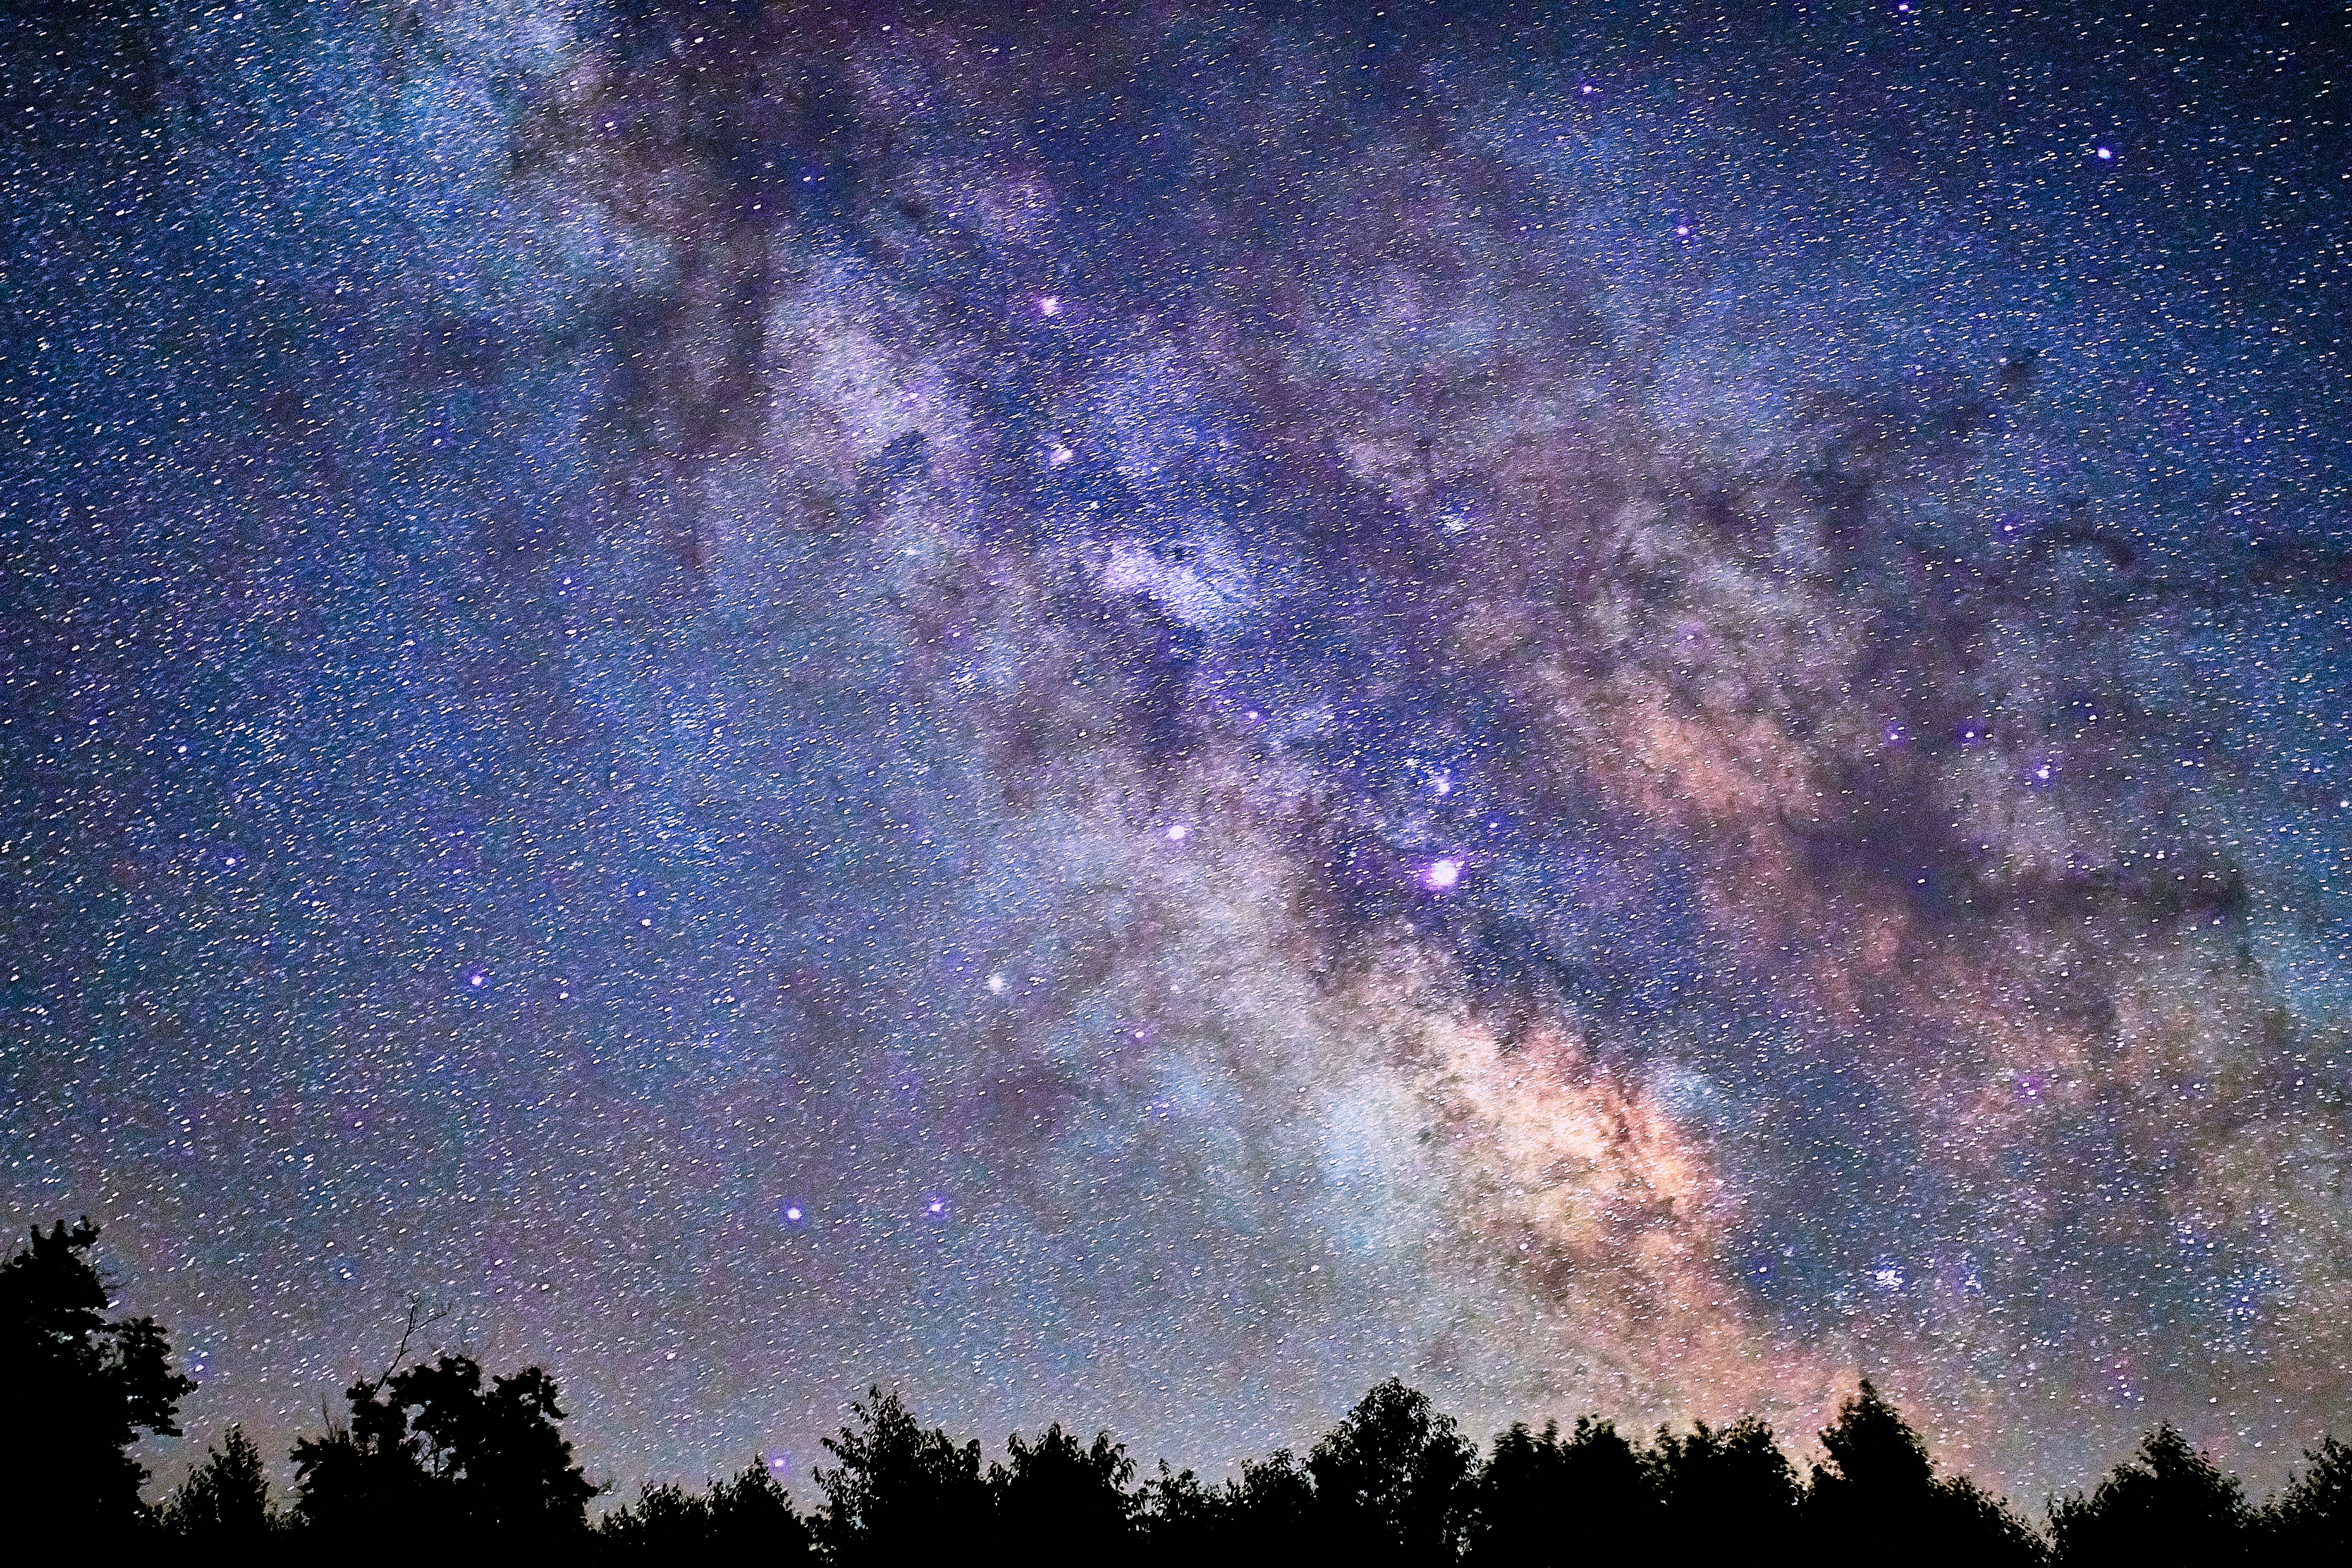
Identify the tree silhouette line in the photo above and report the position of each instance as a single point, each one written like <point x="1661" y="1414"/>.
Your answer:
<point x="437" y="1453"/>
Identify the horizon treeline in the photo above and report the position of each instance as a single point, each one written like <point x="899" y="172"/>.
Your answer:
<point x="437" y="1453"/>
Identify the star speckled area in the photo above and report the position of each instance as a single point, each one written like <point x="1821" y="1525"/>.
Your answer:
<point x="1136" y="721"/>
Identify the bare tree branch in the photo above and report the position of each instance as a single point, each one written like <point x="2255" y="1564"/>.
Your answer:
<point x="419" y="1317"/>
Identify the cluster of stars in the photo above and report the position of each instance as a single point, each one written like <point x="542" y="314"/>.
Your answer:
<point x="1590" y="850"/>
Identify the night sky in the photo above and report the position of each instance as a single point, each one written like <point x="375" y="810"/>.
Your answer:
<point x="1139" y="719"/>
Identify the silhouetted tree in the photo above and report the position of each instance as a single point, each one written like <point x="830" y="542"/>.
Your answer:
<point x="1542" y="1499"/>
<point x="1180" y="1518"/>
<point x="1728" y="1491"/>
<point x="368" y="1476"/>
<point x="79" y="1389"/>
<point x="1879" y="1493"/>
<point x="369" y="1473"/>
<point x="429" y="1451"/>
<point x="1264" y="1514"/>
<point x="1391" y="1480"/>
<point x="2310" y="1522"/>
<point x="901" y="1490"/>
<point x="749" y="1516"/>
<point x="1057" y="1496"/>
<point x="501" y="1446"/>
<point x="1269" y="1508"/>
<point x="2171" y="1506"/>
<point x="752" y="1515"/>
<point x="665" y="1517"/>
<point x="225" y="1501"/>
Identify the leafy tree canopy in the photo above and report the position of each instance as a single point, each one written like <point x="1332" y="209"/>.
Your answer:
<point x="2172" y="1504"/>
<point x="747" y="1515"/>
<point x="432" y="1447"/>
<point x="1063" y="1494"/>
<point x="225" y="1499"/>
<point x="1393" y="1477"/>
<point x="81" y="1388"/>
<point x="899" y="1487"/>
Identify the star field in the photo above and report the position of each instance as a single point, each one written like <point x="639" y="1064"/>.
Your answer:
<point x="1137" y="719"/>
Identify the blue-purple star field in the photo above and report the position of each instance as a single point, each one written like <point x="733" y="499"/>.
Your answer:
<point x="1137" y="718"/>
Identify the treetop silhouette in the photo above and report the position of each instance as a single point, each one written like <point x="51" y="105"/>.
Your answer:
<point x="899" y="1489"/>
<point x="225" y="1501"/>
<point x="1878" y="1484"/>
<point x="81" y="1389"/>
<point x="748" y="1514"/>
<point x="2171" y="1503"/>
<point x="431" y="1445"/>
<point x="438" y="1453"/>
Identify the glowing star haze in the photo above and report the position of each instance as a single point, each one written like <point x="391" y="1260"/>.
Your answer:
<point x="1137" y="720"/>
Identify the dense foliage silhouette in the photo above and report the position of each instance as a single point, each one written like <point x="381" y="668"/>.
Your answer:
<point x="431" y="1451"/>
<point x="1064" y="1497"/>
<point x="436" y="1453"/>
<point x="900" y="1491"/>
<point x="2170" y="1506"/>
<point x="1391" y="1481"/>
<point x="748" y="1515"/>
<point x="1723" y="1493"/>
<point x="1544" y="1501"/>
<point x="225" y="1501"/>
<point x="2312" y="1520"/>
<point x="1877" y="1485"/>
<point x="81" y="1388"/>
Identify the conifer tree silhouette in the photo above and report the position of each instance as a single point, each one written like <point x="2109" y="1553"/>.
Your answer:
<point x="80" y="1389"/>
<point x="225" y="1501"/>
<point x="438" y="1454"/>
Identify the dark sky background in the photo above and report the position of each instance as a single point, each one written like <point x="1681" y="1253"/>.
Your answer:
<point x="1138" y="718"/>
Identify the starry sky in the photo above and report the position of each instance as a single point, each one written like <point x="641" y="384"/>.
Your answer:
<point x="1139" y="714"/>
